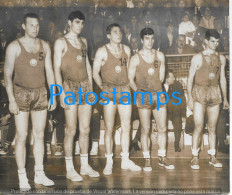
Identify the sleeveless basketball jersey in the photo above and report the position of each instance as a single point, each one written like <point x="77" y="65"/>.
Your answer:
<point x="114" y="71"/>
<point x="147" y="75"/>
<point x="29" y="68"/>
<point x="209" y="74"/>
<point x="73" y="63"/>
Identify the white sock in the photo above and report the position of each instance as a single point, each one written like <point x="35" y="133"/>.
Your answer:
<point x="109" y="158"/>
<point x="77" y="144"/>
<point x="84" y="160"/>
<point x="125" y="156"/>
<point x="146" y="154"/>
<point x="22" y="174"/>
<point x="195" y="152"/>
<point x="69" y="163"/>
<point x="39" y="169"/>
<point x="94" y="144"/>
<point x="212" y="152"/>
<point x="162" y="153"/>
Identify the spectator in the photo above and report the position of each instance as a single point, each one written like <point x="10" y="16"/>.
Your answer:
<point x="199" y="39"/>
<point x="3" y="45"/>
<point x="187" y="28"/>
<point x="181" y="47"/>
<point x="207" y="20"/>
<point x="168" y="38"/>
<point x="134" y="44"/>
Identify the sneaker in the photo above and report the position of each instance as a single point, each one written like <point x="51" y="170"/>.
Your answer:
<point x="130" y="165"/>
<point x="43" y="179"/>
<point x="147" y="166"/>
<point x="195" y="163"/>
<point x="94" y="151"/>
<point x="73" y="175"/>
<point x="213" y="161"/>
<point x="48" y="147"/>
<point x="164" y="162"/>
<point x="87" y="170"/>
<point x="77" y="149"/>
<point x="108" y="169"/>
<point x="2" y="151"/>
<point x="24" y="186"/>
<point x="59" y="151"/>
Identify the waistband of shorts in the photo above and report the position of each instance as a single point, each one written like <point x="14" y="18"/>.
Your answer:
<point x="29" y="89"/>
<point x="112" y="85"/>
<point x="76" y="82"/>
<point x="207" y="86"/>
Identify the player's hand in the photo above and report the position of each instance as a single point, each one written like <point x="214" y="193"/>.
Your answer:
<point x="190" y="104"/>
<point x="62" y="103"/>
<point x="53" y="106"/>
<point x="13" y="107"/>
<point x="226" y="105"/>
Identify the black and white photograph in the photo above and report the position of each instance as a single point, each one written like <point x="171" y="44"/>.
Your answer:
<point x="114" y="97"/>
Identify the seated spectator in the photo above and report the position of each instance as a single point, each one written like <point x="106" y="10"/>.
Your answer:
<point x="199" y="40"/>
<point x="224" y="38"/>
<point x="6" y="119"/>
<point x="180" y="47"/>
<point x="187" y="28"/>
<point x="168" y="38"/>
<point x="207" y="20"/>
<point x="175" y="112"/>
<point x="134" y="44"/>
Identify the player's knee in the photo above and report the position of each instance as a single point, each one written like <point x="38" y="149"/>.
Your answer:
<point x="126" y="126"/>
<point x="21" y="137"/>
<point x="211" y="129"/>
<point x="162" y="129"/>
<point x="38" y="134"/>
<point x="84" y="131"/>
<point x="145" y="130"/>
<point x="70" y="131"/>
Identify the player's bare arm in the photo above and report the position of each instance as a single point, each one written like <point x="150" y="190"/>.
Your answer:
<point x="223" y="82"/>
<point x="161" y="57"/>
<point x="193" y="68"/>
<point x="134" y="62"/>
<point x="99" y="61"/>
<point x="88" y="66"/>
<point x="58" y="54"/>
<point x="128" y="53"/>
<point x="12" y="51"/>
<point x="49" y="72"/>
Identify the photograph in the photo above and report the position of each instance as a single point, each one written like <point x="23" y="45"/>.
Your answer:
<point x="114" y="97"/>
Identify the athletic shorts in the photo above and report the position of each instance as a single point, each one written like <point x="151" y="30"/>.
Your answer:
<point x="147" y="102"/>
<point x="122" y="88"/>
<point x="29" y="99"/>
<point x="207" y="95"/>
<point x="73" y="86"/>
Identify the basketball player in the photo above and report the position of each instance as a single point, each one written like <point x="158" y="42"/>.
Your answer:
<point x="206" y="77"/>
<point x="146" y="74"/>
<point x="29" y="60"/>
<point x="111" y="61"/>
<point x="72" y="64"/>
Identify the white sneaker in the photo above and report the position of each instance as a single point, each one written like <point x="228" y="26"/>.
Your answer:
<point x="108" y="169"/>
<point x="48" y="147"/>
<point x="24" y="186"/>
<point x="94" y="151"/>
<point x="77" y="149"/>
<point x="73" y="175"/>
<point x="87" y="170"/>
<point x="130" y="165"/>
<point x="43" y="180"/>
<point x="59" y="151"/>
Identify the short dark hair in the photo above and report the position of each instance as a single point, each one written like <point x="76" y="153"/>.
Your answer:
<point x="211" y="33"/>
<point x="76" y="14"/>
<point x="146" y="31"/>
<point x="29" y="15"/>
<point x="109" y="28"/>
<point x="167" y="72"/>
